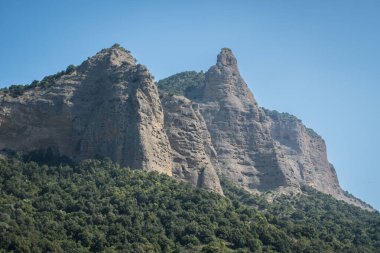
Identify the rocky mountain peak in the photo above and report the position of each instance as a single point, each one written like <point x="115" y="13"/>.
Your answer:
<point x="114" y="56"/>
<point x="226" y="58"/>
<point x="224" y="83"/>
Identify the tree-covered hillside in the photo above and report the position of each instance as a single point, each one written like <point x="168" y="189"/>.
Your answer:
<point x="97" y="206"/>
<point x="318" y="222"/>
<point x="187" y="83"/>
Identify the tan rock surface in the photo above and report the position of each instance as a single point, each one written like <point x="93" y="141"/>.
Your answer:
<point x="194" y="157"/>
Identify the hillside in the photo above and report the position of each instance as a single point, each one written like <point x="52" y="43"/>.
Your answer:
<point x="99" y="206"/>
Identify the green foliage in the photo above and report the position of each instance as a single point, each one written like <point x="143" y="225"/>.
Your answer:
<point x="97" y="206"/>
<point x="312" y="133"/>
<point x="70" y="69"/>
<point x="188" y="84"/>
<point x="16" y="90"/>
<point x="19" y="89"/>
<point x="284" y="116"/>
<point x="318" y="222"/>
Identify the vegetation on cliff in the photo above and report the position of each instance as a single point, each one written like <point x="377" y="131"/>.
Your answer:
<point x="19" y="89"/>
<point x="187" y="84"/>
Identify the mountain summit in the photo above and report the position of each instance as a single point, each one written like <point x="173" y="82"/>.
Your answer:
<point x="223" y="81"/>
<point x="196" y="127"/>
<point x="113" y="56"/>
<point x="226" y="58"/>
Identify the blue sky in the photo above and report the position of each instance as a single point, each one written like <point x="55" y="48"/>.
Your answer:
<point x="319" y="60"/>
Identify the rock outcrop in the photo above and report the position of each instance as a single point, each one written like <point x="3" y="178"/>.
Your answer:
<point x="108" y="106"/>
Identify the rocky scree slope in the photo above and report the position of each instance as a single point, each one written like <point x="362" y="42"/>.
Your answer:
<point x="210" y="126"/>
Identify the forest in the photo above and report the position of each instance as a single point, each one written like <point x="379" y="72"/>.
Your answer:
<point x="98" y="206"/>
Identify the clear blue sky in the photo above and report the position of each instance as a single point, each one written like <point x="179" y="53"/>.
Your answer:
<point x="319" y="60"/>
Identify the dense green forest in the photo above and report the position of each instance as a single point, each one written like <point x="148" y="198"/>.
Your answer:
<point x="97" y="206"/>
<point x="318" y="222"/>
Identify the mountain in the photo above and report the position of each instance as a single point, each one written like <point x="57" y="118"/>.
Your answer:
<point x="196" y="127"/>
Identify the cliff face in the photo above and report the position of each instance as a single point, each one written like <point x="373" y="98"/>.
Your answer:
<point x="194" y="156"/>
<point x="108" y="106"/>
<point x="304" y="153"/>
<point x="210" y="126"/>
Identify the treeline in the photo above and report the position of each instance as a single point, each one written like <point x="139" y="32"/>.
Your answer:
<point x="17" y="90"/>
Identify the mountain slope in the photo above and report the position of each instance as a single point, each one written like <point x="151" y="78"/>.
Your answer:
<point x="97" y="206"/>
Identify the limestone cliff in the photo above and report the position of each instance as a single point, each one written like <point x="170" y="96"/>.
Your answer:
<point x="108" y="107"/>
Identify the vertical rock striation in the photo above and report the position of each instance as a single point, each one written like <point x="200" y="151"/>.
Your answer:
<point x="194" y="157"/>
